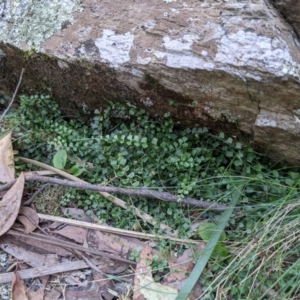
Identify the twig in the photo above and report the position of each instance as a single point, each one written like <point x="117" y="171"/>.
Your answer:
<point x="66" y="244"/>
<point x="13" y="97"/>
<point x="108" y="229"/>
<point x="131" y="192"/>
<point x="46" y="270"/>
<point x="144" y="216"/>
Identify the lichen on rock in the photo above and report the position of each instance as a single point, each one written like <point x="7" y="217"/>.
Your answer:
<point x="30" y="22"/>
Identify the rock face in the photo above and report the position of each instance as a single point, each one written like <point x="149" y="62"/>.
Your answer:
<point x="290" y="10"/>
<point x="229" y="65"/>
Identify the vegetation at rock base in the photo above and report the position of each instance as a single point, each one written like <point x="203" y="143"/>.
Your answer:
<point x="123" y="146"/>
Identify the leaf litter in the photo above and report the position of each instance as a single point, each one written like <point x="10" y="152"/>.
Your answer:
<point x="53" y="259"/>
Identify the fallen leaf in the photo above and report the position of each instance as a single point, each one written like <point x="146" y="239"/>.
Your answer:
<point x="181" y="266"/>
<point x="52" y="295"/>
<point x="10" y="205"/>
<point x="7" y="169"/>
<point x="113" y="242"/>
<point x="18" y="288"/>
<point x="49" y="248"/>
<point x="74" y="233"/>
<point x="152" y="290"/>
<point x="88" y="294"/>
<point x="39" y="294"/>
<point x="29" y="219"/>
<point x="144" y="285"/>
<point x="31" y="258"/>
<point x="104" y="284"/>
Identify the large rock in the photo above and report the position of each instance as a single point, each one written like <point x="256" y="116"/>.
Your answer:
<point x="290" y="10"/>
<point x="229" y="65"/>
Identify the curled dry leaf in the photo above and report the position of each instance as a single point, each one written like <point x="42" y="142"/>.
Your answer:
<point x="7" y="170"/>
<point x="18" y="288"/>
<point x="29" y="219"/>
<point x="10" y="205"/>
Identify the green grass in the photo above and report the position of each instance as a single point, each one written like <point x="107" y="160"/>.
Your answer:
<point x="123" y="146"/>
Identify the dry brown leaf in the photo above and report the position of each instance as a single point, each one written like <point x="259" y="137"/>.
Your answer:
<point x="114" y="242"/>
<point x="18" y="288"/>
<point x="74" y="233"/>
<point x="104" y="284"/>
<point x="45" y="246"/>
<point x="29" y="219"/>
<point x="181" y="266"/>
<point x="110" y="266"/>
<point x="10" y="205"/>
<point x="39" y="294"/>
<point x="144" y="285"/>
<point x="87" y="294"/>
<point x="142" y="270"/>
<point x="7" y="169"/>
<point x="31" y="258"/>
<point x="52" y="295"/>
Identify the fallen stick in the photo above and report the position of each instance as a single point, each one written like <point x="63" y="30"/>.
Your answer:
<point x="144" y="216"/>
<point x="130" y="192"/>
<point x="105" y="228"/>
<point x="45" y="270"/>
<point x="66" y="244"/>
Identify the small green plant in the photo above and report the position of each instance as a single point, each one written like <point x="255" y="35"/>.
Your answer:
<point x="60" y="159"/>
<point x="205" y="231"/>
<point x="124" y="146"/>
<point x="135" y="255"/>
<point x="159" y="266"/>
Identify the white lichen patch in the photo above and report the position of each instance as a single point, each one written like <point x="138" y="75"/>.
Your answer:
<point x="143" y="61"/>
<point x="179" y="53"/>
<point x="242" y="49"/>
<point x="115" y="48"/>
<point x="286" y="122"/>
<point x="31" y="22"/>
<point x="265" y="120"/>
<point x="291" y="70"/>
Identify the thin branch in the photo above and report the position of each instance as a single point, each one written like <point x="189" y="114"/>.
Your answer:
<point x="131" y="192"/>
<point x="66" y="244"/>
<point x="112" y="230"/>
<point x="61" y="267"/>
<point x="117" y="201"/>
<point x="13" y="97"/>
<point x="123" y="191"/>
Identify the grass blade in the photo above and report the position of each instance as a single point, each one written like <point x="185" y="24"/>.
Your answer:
<point x="199" y="267"/>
